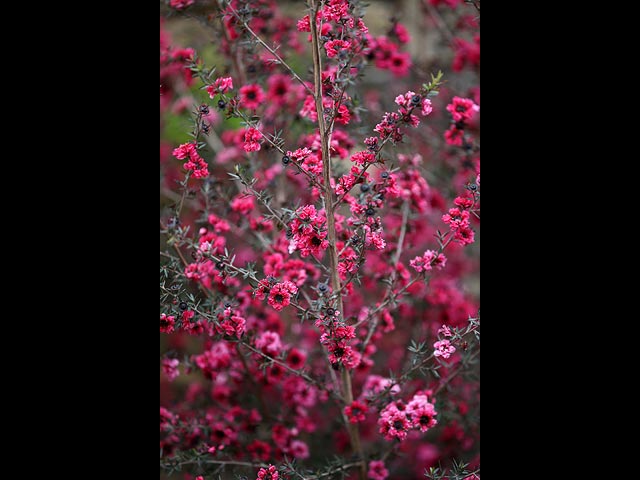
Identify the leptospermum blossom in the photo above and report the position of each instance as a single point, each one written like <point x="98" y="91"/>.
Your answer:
<point x="280" y="294"/>
<point x="252" y="96"/>
<point x="443" y="348"/>
<point x="252" y="139"/>
<point x="377" y="470"/>
<point x="221" y="85"/>
<point x="462" y="109"/>
<point x="356" y="411"/>
<point x="260" y="378"/>
<point x="181" y="5"/>
<point x="269" y="473"/>
<point x="195" y="163"/>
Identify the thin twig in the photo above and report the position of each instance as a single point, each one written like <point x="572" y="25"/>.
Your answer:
<point x="394" y="274"/>
<point x="271" y="50"/>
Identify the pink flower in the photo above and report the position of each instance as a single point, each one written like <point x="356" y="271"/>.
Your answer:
<point x="308" y="232"/>
<point x="167" y="323"/>
<point x="445" y="331"/>
<point x="356" y="411"/>
<point x="333" y="46"/>
<point x="296" y="358"/>
<point x="252" y="139"/>
<point x="393" y="421"/>
<point x="270" y="473"/>
<point x="343" y="115"/>
<point x="299" y="449"/>
<point x="422" y="412"/>
<point x="252" y="96"/>
<point x="443" y="348"/>
<point x="243" y="204"/>
<point x="377" y="470"/>
<point x="304" y="25"/>
<point x="419" y="264"/>
<point x="453" y="136"/>
<point x="363" y="157"/>
<point x="170" y="368"/>
<point x="181" y="5"/>
<point x="340" y="352"/>
<point x="426" y="107"/>
<point x="299" y="155"/>
<point x="402" y="33"/>
<point x="462" y="109"/>
<point x="269" y="343"/>
<point x="280" y="294"/>
<point x="400" y="64"/>
<point x="221" y="85"/>
<point x="375" y="384"/>
<point x="196" y="163"/>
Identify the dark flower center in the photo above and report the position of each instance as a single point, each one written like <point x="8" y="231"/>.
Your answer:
<point x="461" y="109"/>
<point x="278" y="298"/>
<point x="338" y="352"/>
<point x="251" y="95"/>
<point x="398" y="425"/>
<point x="316" y="242"/>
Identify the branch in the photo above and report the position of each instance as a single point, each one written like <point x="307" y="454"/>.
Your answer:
<point x="270" y="50"/>
<point x="331" y="230"/>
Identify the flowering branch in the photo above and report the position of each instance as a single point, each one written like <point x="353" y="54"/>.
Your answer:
<point x="329" y="206"/>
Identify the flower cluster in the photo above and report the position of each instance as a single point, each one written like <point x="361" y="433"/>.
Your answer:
<point x="428" y="260"/>
<point x="462" y="111"/>
<point x="221" y="85"/>
<point x="398" y="418"/>
<point x="252" y="139"/>
<point x="458" y="219"/>
<point x="308" y="232"/>
<point x="195" y="162"/>
<point x="269" y="473"/>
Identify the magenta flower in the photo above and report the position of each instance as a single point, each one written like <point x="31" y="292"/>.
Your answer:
<point x="252" y="96"/>
<point x="280" y="295"/>
<point x="443" y="348"/>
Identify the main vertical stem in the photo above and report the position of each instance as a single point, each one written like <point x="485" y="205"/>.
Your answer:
<point x="331" y="229"/>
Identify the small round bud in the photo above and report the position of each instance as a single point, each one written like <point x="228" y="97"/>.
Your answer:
<point x="365" y="187"/>
<point x="182" y="306"/>
<point x="227" y="305"/>
<point x="416" y="99"/>
<point x="221" y="104"/>
<point x="204" y="109"/>
<point x="331" y="311"/>
<point x="323" y="287"/>
<point x="220" y="266"/>
<point x="384" y="175"/>
<point x="286" y="160"/>
<point x="369" y="212"/>
<point x="473" y="187"/>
